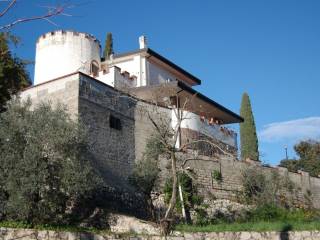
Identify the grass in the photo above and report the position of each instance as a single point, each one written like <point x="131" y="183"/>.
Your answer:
<point x="252" y="226"/>
<point x="58" y="228"/>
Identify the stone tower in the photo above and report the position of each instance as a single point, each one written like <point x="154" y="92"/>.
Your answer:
<point x="59" y="53"/>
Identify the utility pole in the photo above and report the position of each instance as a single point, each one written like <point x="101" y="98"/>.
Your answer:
<point x="286" y="150"/>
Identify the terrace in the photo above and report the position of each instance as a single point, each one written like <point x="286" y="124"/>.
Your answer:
<point x="200" y="114"/>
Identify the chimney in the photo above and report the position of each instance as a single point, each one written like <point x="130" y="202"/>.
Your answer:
<point x="143" y="42"/>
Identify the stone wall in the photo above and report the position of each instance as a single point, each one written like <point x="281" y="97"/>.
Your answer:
<point x="63" y="90"/>
<point x="231" y="170"/>
<point x="113" y="147"/>
<point x="30" y="234"/>
<point x="92" y="102"/>
<point x="114" y="151"/>
<point x="143" y="126"/>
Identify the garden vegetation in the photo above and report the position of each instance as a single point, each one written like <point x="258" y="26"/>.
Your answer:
<point x="45" y="170"/>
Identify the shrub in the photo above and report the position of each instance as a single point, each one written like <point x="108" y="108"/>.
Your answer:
<point x="216" y="175"/>
<point x="267" y="212"/>
<point x="201" y="218"/>
<point x="272" y="212"/>
<point x="261" y="189"/>
<point x="189" y="192"/>
<point x="146" y="170"/>
<point x="254" y="185"/>
<point x="44" y="165"/>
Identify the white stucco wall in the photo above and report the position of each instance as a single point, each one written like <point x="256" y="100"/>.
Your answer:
<point x="135" y="65"/>
<point x="63" y="52"/>
<point x="107" y="78"/>
<point x="157" y="75"/>
<point x="192" y="121"/>
<point x="114" y="78"/>
<point x="147" y="72"/>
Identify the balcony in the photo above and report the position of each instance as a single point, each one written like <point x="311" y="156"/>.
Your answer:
<point x="195" y="123"/>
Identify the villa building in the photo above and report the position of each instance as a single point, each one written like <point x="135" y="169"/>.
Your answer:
<point x="107" y="93"/>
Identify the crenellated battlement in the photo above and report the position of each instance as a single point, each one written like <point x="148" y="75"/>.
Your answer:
<point x="68" y="33"/>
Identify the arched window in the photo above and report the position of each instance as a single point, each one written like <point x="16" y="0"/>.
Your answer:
<point x="94" y="68"/>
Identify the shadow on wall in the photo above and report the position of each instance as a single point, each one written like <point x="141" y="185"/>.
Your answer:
<point x="111" y="197"/>
<point x="284" y="235"/>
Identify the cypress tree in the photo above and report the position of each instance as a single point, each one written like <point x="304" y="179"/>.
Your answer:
<point x="248" y="134"/>
<point x="108" y="48"/>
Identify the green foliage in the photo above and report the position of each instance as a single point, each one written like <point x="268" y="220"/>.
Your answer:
<point x="44" y="167"/>
<point x="108" y="49"/>
<point x="216" y="175"/>
<point x="293" y="165"/>
<point x="13" y="73"/>
<point x="146" y="171"/>
<point x="261" y="189"/>
<point x="272" y="212"/>
<point x="201" y="218"/>
<point x="309" y="158"/>
<point x="50" y="227"/>
<point x="260" y="226"/>
<point x="254" y="185"/>
<point x="267" y="213"/>
<point x="189" y="193"/>
<point x="248" y="135"/>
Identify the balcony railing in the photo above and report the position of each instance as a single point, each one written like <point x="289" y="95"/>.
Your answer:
<point x="194" y="122"/>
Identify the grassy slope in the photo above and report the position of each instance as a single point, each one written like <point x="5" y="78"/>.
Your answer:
<point x="257" y="227"/>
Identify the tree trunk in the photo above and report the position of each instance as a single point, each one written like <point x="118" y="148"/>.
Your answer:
<point x="174" y="187"/>
<point x="182" y="203"/>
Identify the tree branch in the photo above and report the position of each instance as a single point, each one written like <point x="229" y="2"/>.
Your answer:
<point x="54" y="11"/>
<point x="196" y="159"/>
<point x="13" y="2"/>
<point x="206" y="141"/>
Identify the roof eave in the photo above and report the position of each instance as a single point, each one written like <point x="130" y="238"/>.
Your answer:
<point x="208" y="100"/>
<point x="153" y="53"/>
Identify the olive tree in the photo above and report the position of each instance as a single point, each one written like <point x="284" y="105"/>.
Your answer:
<point x="44" y="166"/>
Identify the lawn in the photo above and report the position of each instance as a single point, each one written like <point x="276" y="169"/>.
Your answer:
<point x="252" y="226"/>
<point x="58" y="228"/>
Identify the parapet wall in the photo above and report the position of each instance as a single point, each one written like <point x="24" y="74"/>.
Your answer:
<point x="307" y="188"/>
<point x="64" y="90"/>
<point x="32" y="234"/>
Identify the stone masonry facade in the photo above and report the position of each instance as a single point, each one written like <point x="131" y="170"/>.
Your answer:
<point x="93" y="103"/>
<point x="306" y="188"/>
<point x="119" y="127"/>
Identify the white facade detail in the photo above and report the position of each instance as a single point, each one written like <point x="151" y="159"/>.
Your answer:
<point x="135" y="65"/>
<point x="115" y="78"/>
<point x="193" y="122"/>
<point x="148" y="73"/>
<point x="143" y="42"/>
<point x="158" y="75"/>
<point x="60" y="53"/>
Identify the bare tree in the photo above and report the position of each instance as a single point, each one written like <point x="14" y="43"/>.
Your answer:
<point x="168" y="130"/>
<point x="50" y="12"/>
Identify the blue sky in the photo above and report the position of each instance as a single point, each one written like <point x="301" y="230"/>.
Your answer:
<point x="270" y="49"/>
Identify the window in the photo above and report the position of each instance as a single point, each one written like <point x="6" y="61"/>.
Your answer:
<point x="94" y="68"/>
<point x="115" y="122"/>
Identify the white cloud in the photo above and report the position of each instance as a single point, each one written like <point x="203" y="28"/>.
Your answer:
<point x="291" y="131"/>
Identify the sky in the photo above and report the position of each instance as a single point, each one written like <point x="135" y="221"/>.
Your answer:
<point x="269" y="49"/>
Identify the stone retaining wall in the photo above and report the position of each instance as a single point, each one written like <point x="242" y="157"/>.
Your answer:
<point x="306" y="188"/>
<point x="30" y="234"/>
